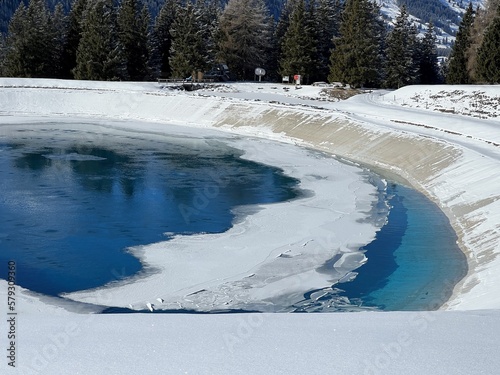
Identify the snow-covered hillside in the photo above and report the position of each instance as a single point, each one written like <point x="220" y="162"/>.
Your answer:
<point x="476" y="101"/>
<point x="444" y="26"/>
<point x="453" y="158"/>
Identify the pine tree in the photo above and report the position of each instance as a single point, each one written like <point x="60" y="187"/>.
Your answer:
<point x="298" y="46"/>
<point x="482" y="19"/>
<point x="73" y="36"/>
<point x="15" y="44"/>
<point x="3" y="52"/>
<point x="428" y="64"/>
<point x="488" y="56"/>
<point x="58" y="29"/>
<point x="151" y="56"/>
<point x="100" y="53"/>
<point x="402" y="67"/>
<point x="210" y="12"/>
<point x="278" y="34"/>
<point x="162" y="40"/>
<point x="312" y="27"/>
<point x="187" y="53"/>
<point x="329" y="16"/>
<point x="40" y="40"/>
<point x="457" y="71"/>
<point x="30" y="42"/>
<point x="133" y="29"/>
<point x="244" y="40"/>
<point x="357" y="57"/>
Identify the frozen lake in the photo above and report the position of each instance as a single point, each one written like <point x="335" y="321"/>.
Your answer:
<point x="70" y="206"/>
<point x="74" y="201"/>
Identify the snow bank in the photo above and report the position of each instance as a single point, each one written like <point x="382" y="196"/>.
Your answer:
<point x="54" y="340"/>
<point x="476" y="101"/>
<point x="358" y="343"/>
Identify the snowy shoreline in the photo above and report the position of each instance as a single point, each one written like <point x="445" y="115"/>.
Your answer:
<point x="452" y="159"/>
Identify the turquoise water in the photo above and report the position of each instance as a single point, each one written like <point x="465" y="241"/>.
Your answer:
<point x="72" y="202"/>
<point x="414" y="262"/>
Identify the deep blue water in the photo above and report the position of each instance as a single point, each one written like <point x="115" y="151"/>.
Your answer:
<point x="69" y="210"/>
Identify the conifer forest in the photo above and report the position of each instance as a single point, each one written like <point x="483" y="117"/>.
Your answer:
<point x="345" y="41"/>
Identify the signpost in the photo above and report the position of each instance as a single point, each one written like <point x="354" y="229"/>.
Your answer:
<point x="260" y="72"/>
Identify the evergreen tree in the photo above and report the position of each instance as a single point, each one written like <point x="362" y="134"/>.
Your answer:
<point x="298" y="46"/>
<point x="187" y="53"/>
<point x="312" y="27"/>
<point x="244" y="39"/>
<point x="73" y="36"/>
<point x="482" y="19"/>
<point x="30" y="42"/>
<point x="3" y="52"/>
<point x="100" y="53"/>
<point x="58" y="30"/>
<point x="428" y="64"/>
<point x="402" y="67"/>
<point x="329" y="16"/>
<point x="210" y="12"/>
<point x="278" y="35"/>
<point x="133" y="29"/>
<point x="162" y="40"/>
<point x="13" y="62"/>
<point x="488" y="56"/>
<point x="357" y="57"/>
<point x="151" y="60"/>
<point x="457" y="71"/>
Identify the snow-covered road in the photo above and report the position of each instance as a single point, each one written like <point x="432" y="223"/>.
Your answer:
<point x="381" y="109"/>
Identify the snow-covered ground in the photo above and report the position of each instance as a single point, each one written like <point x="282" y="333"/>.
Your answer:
<point x="412" y="343"/>
<point x="453" y="158"/>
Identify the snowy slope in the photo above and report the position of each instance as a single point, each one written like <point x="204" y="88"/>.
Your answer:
<point x="414" y="343"/>
<point x="52" y="341"/>
<point x="476" y="101"/>
<point x="445" y="36"/>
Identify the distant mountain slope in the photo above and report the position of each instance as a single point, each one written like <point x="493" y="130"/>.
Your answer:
<point x="440" y="12"/>
<point x="444" y="14"/>
<point x="8" y="7"/>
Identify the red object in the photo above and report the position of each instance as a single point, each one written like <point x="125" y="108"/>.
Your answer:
<point x="296" y="77"/>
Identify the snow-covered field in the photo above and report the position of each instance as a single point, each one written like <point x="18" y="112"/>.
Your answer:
<point x="476" y="101"/>
<point x="452" y="156"/>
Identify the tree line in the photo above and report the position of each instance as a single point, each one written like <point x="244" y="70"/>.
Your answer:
<point x="475" y="57"/>
<point x="335" y="40"/>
